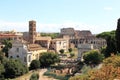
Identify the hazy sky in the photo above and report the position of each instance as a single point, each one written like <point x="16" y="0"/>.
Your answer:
<point x="52" y="15"/>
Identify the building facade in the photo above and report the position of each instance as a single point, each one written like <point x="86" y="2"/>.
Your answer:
<point x="25" y="52"/>
<point x="68" y="32"/>
<point x="43" y="41"/>
<point x="9" y="36"/>
<point x="58" y="44"/>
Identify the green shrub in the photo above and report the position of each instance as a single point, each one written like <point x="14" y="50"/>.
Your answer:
<point x="34" y="76"/>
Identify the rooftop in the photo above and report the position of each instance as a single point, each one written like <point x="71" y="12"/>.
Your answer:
<point x="34" y="47"/>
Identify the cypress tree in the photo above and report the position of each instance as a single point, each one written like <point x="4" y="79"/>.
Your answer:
<point x="118" y="36"/>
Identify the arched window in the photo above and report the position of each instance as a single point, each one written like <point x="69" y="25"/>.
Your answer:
<point x="25" y="59"/>
<point x="17" y="49"/>
<point x="29" y="58"/>
<point x="11" y="57"/>
<point x="17" y="56"/>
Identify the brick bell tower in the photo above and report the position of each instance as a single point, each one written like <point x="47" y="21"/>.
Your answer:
<point x="32" y="31"/>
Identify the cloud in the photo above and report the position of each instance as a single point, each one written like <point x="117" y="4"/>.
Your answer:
<point x="8" y="26"/>
<point x="108" y="8"/>
<point x="23" y="26"/>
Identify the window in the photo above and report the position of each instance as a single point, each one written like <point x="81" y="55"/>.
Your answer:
<point x="1" y="46"/>
<point x="60" y="43"/>
<point x="17" y="56"/>
<point x="29" y="58"/>
<point x="17" y="49"/>
<point x="11" y="57"/>
<point x="25" y="59"/>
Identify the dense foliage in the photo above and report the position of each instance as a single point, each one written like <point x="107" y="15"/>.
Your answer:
<point x="35" y="64"/>
<point x="1" y="56"/>
<point x="70" y="50"/>
<point x="14" y="68"/>
<point x="72" y="54"/>
<point x="111" y="42"/>
<point x="34" y="76"/>
<point x="93" y="57"/>
<point x="110" y="70"/>
<point x="52" y="35"/>
<point x="118" y="36"/>
<point x="113" y="60"/>
<point x="48" y="58"/>
<point x="2" y="71"/>
<point x="10" y="68"/>
<point x="61" y="51"/>
<point x="8" y="45"/>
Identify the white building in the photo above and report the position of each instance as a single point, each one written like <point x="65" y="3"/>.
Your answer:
<point x="58" y="44"/>
<point x="25" y="52"/>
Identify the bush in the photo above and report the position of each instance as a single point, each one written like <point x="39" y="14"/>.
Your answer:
<point x="72" y="54"/>
<point x="34" y="76"/>
<point x="113" y="60"/>
<point x="48" y="58"/>
<point x="48" y="73"/>
<point x="35" y="64"/>
<point x="14" y="68"/>
<point x="93" y="57"/>
<point x="61" y="51"/>
<point x="70" y="50"/>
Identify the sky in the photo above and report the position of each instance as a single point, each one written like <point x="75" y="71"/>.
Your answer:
<point x="52" y="15"/>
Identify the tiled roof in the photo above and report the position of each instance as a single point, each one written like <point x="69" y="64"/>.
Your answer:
<point x="7" y="35"/>
<point x="58" y="39"/>
<point x="34" y="47"/>
<point x="43" y="38"/>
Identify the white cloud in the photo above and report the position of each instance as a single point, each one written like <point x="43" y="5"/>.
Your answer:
<point x="7" y="26"/>
<point x="23" y="26"/>
<point x="108" y="8"/>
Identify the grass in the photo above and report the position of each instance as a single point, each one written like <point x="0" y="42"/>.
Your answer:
<point x="56" y="76"/>
<point x="26" y="76"/>
<point x="85" y="69"/>
<point x="75" y="51"/>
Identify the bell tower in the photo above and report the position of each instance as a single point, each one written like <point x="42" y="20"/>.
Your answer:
<point x="32" y="31"/>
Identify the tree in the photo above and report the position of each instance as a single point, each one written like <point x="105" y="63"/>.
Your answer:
<point x="110" y="70"/>
<point x="118" y="36"/>
<point x="1" y="56"/>
<point x="111" y="42"/>
<point x="61" y="51"/>
<point x="113" y="60"/>
<point x="48" y="58"/>
<point x="2" y="70"/>
<point x="70" y="50"/>
<point x="35" y="64"/>
<point x="14" y="68"/>
<point x="8" y="45"/>
<point x="34" y="76"/>
<point x="72" y="54"/>
<point x="52" y="35"/>
<point x="93" y="57"/>
<point x="102" y="50"/>
<point x="111" y="47"/>
<point x="107" y="72"/>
